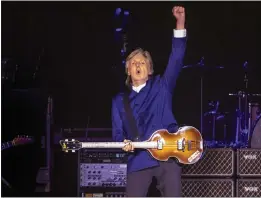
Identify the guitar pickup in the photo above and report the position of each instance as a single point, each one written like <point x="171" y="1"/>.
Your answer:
<point x="189" y="145"/>
<point x="181" y="144"/>
<point x="159" y="144"/>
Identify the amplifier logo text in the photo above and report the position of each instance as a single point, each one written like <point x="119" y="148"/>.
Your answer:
<point x="251" y="189"/>
<point x="251" y="157"/>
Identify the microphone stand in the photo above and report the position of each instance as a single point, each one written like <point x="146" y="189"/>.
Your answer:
<point x="201" y="104"/>
<point x="201" y="63"/>
<point x="246" y="128"/>
<point x="243" y="129"/>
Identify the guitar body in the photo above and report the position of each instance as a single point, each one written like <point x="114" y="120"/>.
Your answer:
<point x="188" y="154"/>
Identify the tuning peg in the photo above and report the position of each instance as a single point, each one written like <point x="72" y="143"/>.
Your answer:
<point x="73" y="151"/>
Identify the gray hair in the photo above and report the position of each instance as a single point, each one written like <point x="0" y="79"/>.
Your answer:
<point x="144" y="53"/>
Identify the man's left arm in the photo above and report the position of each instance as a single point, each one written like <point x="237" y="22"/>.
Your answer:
<point x="175" y="62"/>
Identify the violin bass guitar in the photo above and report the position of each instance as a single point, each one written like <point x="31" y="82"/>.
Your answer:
<point x="186" y="145"/>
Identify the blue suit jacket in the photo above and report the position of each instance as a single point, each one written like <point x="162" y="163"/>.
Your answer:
<point x="152" y="108"/>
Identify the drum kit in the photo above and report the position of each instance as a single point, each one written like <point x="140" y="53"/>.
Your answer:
<point x="246" y="129"/>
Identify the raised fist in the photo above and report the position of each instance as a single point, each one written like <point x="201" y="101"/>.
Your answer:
<point x="179" y="14"/>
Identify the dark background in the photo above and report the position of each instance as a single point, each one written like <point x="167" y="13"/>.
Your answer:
<point x="72" y="47"/>
<point x="77" y="43"/>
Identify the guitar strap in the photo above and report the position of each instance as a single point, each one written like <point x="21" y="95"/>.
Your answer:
<point x="130" y="117"/>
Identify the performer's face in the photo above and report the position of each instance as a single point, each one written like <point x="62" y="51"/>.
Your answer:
<point x="138" y="69"/>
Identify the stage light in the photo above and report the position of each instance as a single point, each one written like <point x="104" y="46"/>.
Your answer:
<point x="118" y="29"/>
<point x="118" y="11"/>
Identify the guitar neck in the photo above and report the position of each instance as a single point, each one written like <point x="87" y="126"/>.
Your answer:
<point x="140" y="145"/>
<point x="7" y="145"/>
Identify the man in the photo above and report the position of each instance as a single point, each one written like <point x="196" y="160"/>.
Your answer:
<point x="151" y="103"/>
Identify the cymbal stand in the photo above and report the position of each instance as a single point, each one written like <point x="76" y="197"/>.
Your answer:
<point x="241" y="96"/>
<point x="249" y="121"/>
<point x="214" y="121"/>
<point x="246" y="127"/>
<point x="225" y="133"/>
<point x="200" y="64"/>
<point x="242" y="126"/>
<point x="214" y="116"/>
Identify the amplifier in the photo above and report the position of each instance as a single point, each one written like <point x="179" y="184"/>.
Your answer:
<point x="190" y="188"/>
<point x="103" y="194"/>
<point x="100" y="168"/>
<point x="207" y="188"/>
<point x="105" y="175"/>
<point x="249" y="162"/>
<point x="248" y="188"/>
<point x="217" y="162"/>
<point x="103" y="156"/>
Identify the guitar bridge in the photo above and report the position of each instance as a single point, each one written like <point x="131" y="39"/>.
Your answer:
<point x="189" y="145"/>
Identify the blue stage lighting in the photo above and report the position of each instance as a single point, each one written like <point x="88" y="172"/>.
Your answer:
<point x="118" y="11"/>
<point x="118" y="29"/>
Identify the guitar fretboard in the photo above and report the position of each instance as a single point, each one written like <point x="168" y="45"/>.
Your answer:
<point x="6" y="145"/>
<point x="142" y="145"/>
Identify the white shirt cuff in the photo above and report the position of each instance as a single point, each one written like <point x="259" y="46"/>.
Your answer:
<point x="179" y="33"/>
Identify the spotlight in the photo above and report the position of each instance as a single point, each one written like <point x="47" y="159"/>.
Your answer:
<point x="118" y="11"/>
<point x="118" y="29"/>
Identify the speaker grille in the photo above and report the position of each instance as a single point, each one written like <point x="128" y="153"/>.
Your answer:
<point x="215" y="162"/>
<point x="207" y="188"/>
<point x="249" y="188"/>
<point x="249" y="162"/>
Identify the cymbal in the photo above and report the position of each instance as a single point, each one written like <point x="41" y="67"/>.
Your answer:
<point x="202" y="66"/>
<point x="243" y="94"/>
<point x="215" y="113"/>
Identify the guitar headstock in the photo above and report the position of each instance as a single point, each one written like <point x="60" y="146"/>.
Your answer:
<point x="70" y="145"/>
<point x="22" y="139"/>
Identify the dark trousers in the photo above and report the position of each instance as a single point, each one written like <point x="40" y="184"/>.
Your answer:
<point x="168" y="175"/>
